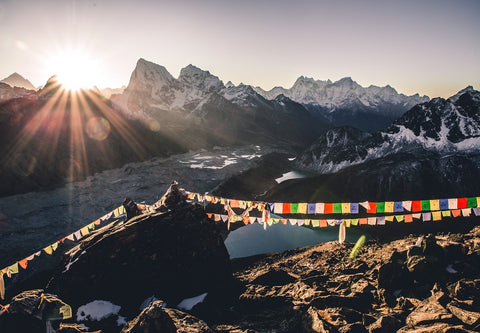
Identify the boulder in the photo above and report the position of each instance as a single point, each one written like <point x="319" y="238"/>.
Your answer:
<point x="384" y="324"/>
<point x="173" y="255"/>
<point x="469" y="317"/>
<point x="429" y="311"/>
<point x="274" y="277"/>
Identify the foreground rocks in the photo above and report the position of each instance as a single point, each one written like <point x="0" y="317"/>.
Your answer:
<point x="415" y="284"/>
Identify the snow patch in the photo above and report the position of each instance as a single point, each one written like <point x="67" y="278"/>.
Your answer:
<point x="188" y="303"/>
<point x="146" y="303"/>
<point x="290" y="175"/>
<point x="97" y="310"/>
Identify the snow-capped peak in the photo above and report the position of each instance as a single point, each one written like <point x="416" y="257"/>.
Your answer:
<point x="194" y="76"/>
<point x="455" y="97"/>
<point x="148" y="74"/>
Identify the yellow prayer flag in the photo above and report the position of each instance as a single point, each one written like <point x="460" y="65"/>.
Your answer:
<point x="13" y="268"/>
<point x="48" y="249"/>
<point x="345" y="208"/>
<point x="389" y="207"/>
<point x="84" y="231"/>
<point x="302" y="208"/>
<point x="347" y="223"/>
<point x="389" y="218"/>
<point x="437" y="216"/>
<point x="435" y="204"/>
<point x="478" y="201"/>
<point x="307" y="222"/>
<point x="91" y="226"/>
<point x="446" y="213"/>
<point x="400" y="218"/>
<point x="315" y="223"/>
<point x="54" y="246"/>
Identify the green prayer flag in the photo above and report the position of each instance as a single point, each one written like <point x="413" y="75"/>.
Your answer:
<point x="380" y="207"/>
<point x="472" y="202"/>
<point x="294" y="208"/>
<point x="425" y="205"/>
<point x="337" y="208"/>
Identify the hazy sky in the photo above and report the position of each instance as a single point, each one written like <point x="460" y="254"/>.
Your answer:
<point x="427" y="46"/>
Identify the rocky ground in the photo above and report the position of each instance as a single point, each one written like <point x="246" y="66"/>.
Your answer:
<point x="415" y="284"/>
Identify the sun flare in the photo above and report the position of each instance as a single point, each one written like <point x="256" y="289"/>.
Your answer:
<point x="75" y="69"/>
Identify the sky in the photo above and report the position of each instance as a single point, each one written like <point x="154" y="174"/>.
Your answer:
<point x="430" y="47"/>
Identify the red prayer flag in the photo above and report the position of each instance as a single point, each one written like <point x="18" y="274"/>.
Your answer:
<point x="328" y="208"/>
<point x="416" y="206"/>
<point x="461" y="203"/>
<point x="373" y="208"/>
<point x="286" y="208"/>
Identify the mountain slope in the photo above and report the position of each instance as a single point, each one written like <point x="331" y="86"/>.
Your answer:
<point x="201" y="102"/>
<point x="345" y="102"/>
<point x="442" y="126"/>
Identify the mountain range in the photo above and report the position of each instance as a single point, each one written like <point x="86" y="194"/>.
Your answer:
<point x="16" y="80"/>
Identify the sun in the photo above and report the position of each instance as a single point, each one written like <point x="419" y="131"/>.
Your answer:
<point x="75" y="69"/>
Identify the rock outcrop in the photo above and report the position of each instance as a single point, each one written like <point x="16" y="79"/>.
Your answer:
<point x="172" y="255"/>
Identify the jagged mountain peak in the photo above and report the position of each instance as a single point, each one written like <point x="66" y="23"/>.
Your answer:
<point x="455" y="97"/>
<point x="16" y="80"/>
<point x="200" y="79"/>
<point x="146" y="71"/>
<point x="229" y="84"/>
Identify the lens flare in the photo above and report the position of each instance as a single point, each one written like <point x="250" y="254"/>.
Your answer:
<point x="98" y="128"/>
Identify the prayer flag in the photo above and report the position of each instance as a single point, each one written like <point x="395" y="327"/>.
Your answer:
<point x="466" y="211"/>
<point x="307" y="222"/>
<point x="315" y="223"/>
<point x="78" y="235"/>
<point x="70" y="237"/>
<point x="284" y="221"/>
<point x="389" y="207"/>
<point x="354" y="208"/>
<point x="365" y="205"/>
<point x="437" y="216"/>
<point x="400" y="218"/>
<point x="23" y="263"/>
<point x="13" y="268"/>
<point x="427" y="216"/>
<point x="347" y="223"/>
<point x="407" y="205"/>
<point x="452" y="204"/>
<point x="408" y="218"/>
<point x="471" y="202"/>
<point x="271" y="206"/>
<point x="234" y="203"/>
<point x="372" y="221"/>
<point x="302" y="208"/>
<point x="425" y="205"/>
<point x="345" y="208"/>
<point x="416" y="206"/>
<point x="443" y="204"/>
<point x="278" y="208"/>
<point x="311" y="208"/>
<point x="381" y="220"/>
<point x="293" y="221"/>
<point x="224" y="218"/>
<point x="323" y="223"/>
<point x="337" y="208"/>
<point x="48" y="249"/>
<point x="286" y="208"/>
<point x="381" y="207"/>
<point x="331" y="222"/>
<point x="294" y="208"/>
<point x="319" y="208"/>
<point x="446" y="213"/>
<point x="435" y="204"/>
<point x="354" y="221"/>
<point x="461" y="203"/>
<point x="389" y="218"/>
<point x="246" y="220"/>
<point x="328" y="208"/>
<point x="84" y="231"/>
<point x="301" y="222"/>
<point x="476" y="211"/>
<point x="54" y="246"/>
<point x="217" y="217"/>
<point x="398" y="206"/>
<point x="209" y="215"/>
<point x="456" y="212"/>
<point x="338" y="222"/>
<point x="417" y="215"/>
<point x="363" y="221"/>
<point x="97" y="222"/>
<point x="372" y="209"/>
